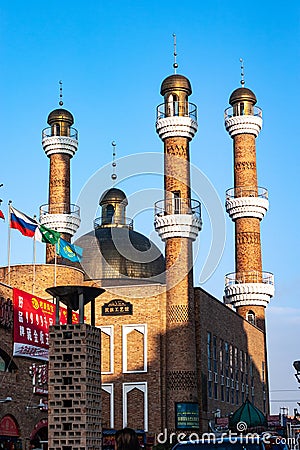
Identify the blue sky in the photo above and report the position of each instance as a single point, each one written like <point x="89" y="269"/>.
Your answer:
<point x="112" y="58"/>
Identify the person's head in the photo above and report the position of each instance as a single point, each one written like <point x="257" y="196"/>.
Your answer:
<point x="35" y="443"/>
<point x="127" y="439"/>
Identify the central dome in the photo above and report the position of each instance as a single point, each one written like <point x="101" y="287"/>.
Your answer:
<point x="120" y="252"/>
<point x="113" y="250"/>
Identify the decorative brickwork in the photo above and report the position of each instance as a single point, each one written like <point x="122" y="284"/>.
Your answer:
<point x="180" y="314"/>
<point x="181" y="380"/>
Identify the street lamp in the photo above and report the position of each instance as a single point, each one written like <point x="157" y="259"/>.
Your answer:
<point x="296" y="365"/>
<point x="41" y="406"/>
<point x="7" y="399"/>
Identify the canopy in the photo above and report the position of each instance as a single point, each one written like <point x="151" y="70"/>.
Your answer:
<point x="247" y="414"/>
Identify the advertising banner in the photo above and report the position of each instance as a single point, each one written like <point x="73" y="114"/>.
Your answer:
<point x="32" y="318"/>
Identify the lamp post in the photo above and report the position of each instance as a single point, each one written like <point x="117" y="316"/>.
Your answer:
<point x="7" y="399"/>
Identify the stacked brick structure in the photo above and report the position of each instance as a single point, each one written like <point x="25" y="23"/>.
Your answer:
<point x="74" y="388"/>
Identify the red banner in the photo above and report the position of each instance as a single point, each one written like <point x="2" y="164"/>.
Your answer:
<point x="32" y="318"/>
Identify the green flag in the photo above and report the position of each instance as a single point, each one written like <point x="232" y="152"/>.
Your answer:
<point x="44" y="234"/>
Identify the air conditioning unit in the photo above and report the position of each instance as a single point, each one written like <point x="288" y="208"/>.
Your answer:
<point x="209" y="375"/>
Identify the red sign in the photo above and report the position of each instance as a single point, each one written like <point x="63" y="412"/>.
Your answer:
<point x="8" y="427"/>
<point x="32" y="318"/>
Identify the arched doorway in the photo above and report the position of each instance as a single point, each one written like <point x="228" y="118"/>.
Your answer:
<point x="40" y="432"/>
<point x="9" y="434"/>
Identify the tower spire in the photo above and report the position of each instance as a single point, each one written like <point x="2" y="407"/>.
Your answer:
<point x="175" y="65"/>
<point x="242" y="72"/>
<point x="114" y="164"/>
<point x="60" y="94"/>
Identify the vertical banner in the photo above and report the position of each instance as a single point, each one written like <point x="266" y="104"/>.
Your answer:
<point x="32" y="318"/>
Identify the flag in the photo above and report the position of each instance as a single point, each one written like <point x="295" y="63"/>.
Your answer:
<point x="68" y="251"/>
<point x="44" y="234"/>
<point x="2" y="215"/>
<point x="26" y="225"/>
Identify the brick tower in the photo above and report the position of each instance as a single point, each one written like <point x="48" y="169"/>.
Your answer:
<point x="178" y="221"/>
<point x="248" y="289"/>
<point x="74" y="398"/>
<point x="60" y="144"/>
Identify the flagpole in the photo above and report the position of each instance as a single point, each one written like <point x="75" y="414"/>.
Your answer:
<point x="34" y="260"/>
<point x="8" y="242"/>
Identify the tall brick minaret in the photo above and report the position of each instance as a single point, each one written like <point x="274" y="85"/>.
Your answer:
<point x="60" y="143"/>
<point x="248" y="289"/>
<point x="178" y="221"/>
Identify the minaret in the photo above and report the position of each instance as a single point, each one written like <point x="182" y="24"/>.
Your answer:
<point x="60" y="143"/>
<point x="178" y="221"/>
<point x="249" y="289"/>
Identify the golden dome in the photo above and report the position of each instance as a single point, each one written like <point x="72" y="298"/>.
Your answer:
<point x="60" y="115"/>
<point x="120" y="253"/>
<point x="242" y="94"/>
<point x="113" y="195"/>
<point x="176" y="82"/>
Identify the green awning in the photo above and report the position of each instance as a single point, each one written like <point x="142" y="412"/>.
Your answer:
<point x="248" y="414"/>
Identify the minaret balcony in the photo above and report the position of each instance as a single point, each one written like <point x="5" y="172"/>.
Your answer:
<point x="61" y="217"/>
<point x="101" y="222"/>
<point x="176" y="119"/>
<point x="249" y="288"/>
<point x="56" y="143"/>
<point x="243" y="123"/>
<point x="247" y="202"/>
<point x="178" y="218"/>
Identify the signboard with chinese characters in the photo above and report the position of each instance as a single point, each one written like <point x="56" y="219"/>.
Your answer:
<point x="32" y="318"/>
<point x="187" y="415"/>
<point x="117" y="307"/>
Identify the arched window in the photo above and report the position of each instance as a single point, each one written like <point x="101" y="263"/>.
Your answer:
<point x="56" y="129"/>
<point x="6" y="363"/>
<point x="110" y="211"/>
<point x="173" y="105"/>
<point x="251" y="317"/>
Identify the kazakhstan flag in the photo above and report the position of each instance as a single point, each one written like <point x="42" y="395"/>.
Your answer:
<point x="68" y="251"/>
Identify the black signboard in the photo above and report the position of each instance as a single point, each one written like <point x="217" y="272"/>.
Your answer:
<point x="117" y="307"/>
<point x="187" y="415"/>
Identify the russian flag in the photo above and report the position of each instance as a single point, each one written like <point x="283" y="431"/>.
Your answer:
<point x="23" y="223"/>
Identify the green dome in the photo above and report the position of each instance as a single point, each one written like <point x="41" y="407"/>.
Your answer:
<point x="249" y="414"/>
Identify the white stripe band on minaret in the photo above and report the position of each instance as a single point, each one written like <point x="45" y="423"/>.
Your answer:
<point x="60" y="144"/>
<point x="176" y="126"/>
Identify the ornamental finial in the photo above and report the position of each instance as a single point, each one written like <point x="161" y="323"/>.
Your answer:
<point x="242" y="72"/>
<point x="60" y="93"/>
<point x="114" y="164"/>
<point x="175" y="65"/>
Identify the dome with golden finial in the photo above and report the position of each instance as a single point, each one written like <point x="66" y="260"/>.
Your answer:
<point x="60" y="115"/>
<point x="176" y="82"/>
<point x="242" y="94"/>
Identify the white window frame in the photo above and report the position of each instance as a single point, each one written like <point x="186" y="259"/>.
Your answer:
<point x="126" y="329"/>
<point x="127" y="387"/>
<point x="109" y="388"/>
<point x="109" y="330"/>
